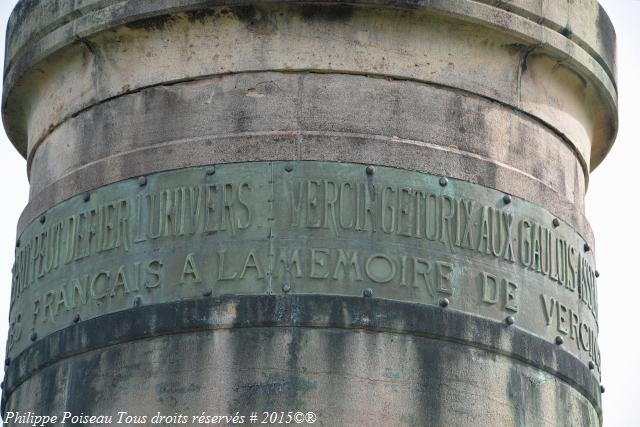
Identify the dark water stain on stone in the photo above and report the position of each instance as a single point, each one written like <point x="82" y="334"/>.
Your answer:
<point x="21" y="12"/>
<point x="432" y="363"/>
<point x="245" y="13"/>
<point x="514" y="391"/>
<point x="316" y="12"/>
<point x="262" y="21"/>
<point x="200" y="15"/>
<point x="84" y="395"/>
<point x="606" y="36"/>
<point x="155" y="23"/>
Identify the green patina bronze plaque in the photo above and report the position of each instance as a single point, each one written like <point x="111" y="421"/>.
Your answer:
<point x="306" y="228"/>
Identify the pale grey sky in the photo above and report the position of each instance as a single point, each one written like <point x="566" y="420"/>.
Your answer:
<point x="612" y="209"/>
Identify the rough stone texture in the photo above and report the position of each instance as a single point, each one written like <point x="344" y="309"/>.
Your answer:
<point x="347" y="377"/>
<point x="340" y="357"/>
<point x="516" y="96"/>
<point x="296" y="116"/>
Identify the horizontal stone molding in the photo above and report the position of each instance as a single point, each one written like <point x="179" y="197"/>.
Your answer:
<point x="584" y="22"/>
<point x="310" y="116"/>
<point x="301" y="311"/>
<point x="528" y="66"/>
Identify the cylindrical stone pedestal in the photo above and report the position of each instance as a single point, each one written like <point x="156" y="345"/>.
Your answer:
<point x="370" y="210"/>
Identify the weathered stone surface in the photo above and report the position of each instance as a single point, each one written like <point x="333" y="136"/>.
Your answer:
<point x="373" y="210"/>
<point x="353" y="361"/>
<point x="310" y="116"/>
<point x="340" y="38"/>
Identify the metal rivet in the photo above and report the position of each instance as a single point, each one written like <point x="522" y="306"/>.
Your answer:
<point x="601" y="388"/>
<point x="444" y="302"/>
<point x="18" y="243"/>
<point x="43" y="219"/>
<point x="370" y="170"/>
<point x="367" y="293"/>
<point x="587" y="248"/>
<point x="286" y="287"/>
<point x="137" y="302"/>
<point x="76" y="318"/>
<point x="86" y="197"/>
<point x="443" y="182"/>
<point x="34" y="336"/>
<point x="597" y="273"/>
<point x="556" y="222"/>
<point x="592" y="365"/>
<point x="288" y="168"/>
<point x="142" y="181"/>
<point x="559" y="340"/>
<point x="211" y="171"/>
<point x="207" y="293"/>
<point x="510" y="320"/>
<point x="506" y="199"/>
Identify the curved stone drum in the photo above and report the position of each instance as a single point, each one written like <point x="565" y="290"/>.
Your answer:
<point x="372" y="210"/>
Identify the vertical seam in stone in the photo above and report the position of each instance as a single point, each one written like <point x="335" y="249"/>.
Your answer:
<point x="271" y="221"/>
<point x="522" y="68"/>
